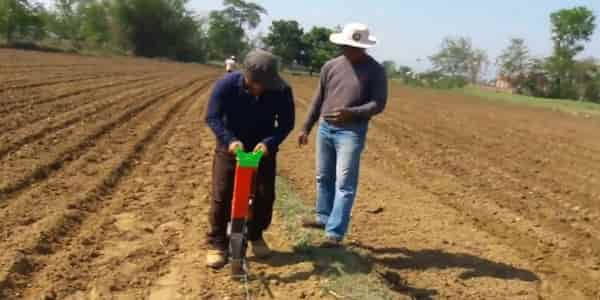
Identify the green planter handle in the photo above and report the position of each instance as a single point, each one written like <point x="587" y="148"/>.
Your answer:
<point x="248" y="159"/>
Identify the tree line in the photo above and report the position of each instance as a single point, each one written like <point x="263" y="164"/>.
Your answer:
<point x="562" y="75"/>
<point x="162" y="28"/>
<point x="167" y="28"/>
<point x="152" y="28"/>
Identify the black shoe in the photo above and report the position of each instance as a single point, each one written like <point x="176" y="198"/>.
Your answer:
<point x="311" y="223"/>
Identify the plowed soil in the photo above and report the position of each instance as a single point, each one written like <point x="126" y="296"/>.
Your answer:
<point x="105" y="179"/>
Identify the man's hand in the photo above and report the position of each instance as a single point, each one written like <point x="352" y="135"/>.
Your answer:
<point x="262" y="147"/>
<point x="340" y="116"/>
<point x="302" y="139"/>
<point x="235" y="145"/>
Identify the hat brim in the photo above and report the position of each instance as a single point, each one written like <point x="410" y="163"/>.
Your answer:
<point x="339" y="39"/>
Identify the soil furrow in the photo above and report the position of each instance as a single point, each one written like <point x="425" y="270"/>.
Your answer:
<point x="59" y="227"/>
<point x="18" y="140"/>
<point x="42" y="172"/>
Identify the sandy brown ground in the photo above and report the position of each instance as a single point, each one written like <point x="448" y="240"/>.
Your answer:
<point x="105" y="180"/>
<point x="480" y="200"/>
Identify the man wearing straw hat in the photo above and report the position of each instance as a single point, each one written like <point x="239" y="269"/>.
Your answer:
<point x="352" y="89"/>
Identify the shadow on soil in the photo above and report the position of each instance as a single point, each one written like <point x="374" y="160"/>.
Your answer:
<point x="436" y="259"/>
<point x="358" y="259"/>
<point x="361" y="271"/>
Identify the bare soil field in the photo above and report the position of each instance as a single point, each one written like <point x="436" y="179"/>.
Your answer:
<point x="105" y="179"/>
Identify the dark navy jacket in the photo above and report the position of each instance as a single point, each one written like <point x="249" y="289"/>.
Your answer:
<point x="234" y="114"/>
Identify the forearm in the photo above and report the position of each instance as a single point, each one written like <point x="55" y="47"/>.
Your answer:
<point x="368" y="109"/>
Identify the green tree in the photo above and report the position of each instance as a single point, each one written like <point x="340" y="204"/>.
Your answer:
<point x="68" y="22"/>
<point x="285" y="41"/>
<point x="244" y="13"/>
<point x="19" y="17"/>
<point x="477" y="65"/>
<point x="226" y="28"/>
<point x="458" y="57"/>
<point x="571" y="28"/>
<point x="159" y="28"/>
<point x="37" y="25"/>
<point x="390" y="68"/>
<point x="95" y="22"/>
<point x="587" y="78"/>
<point x="453" y="56"/>
<point x="225" y="36"/>
<point x="534" y="81"/>
<point x="514" y="60"/>
<point x="405" y="71"/>
<point x="318" y="48"/>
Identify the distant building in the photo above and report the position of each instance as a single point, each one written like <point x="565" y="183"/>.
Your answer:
<point x="503" y="83"/>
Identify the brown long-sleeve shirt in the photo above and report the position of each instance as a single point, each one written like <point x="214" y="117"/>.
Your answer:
<point x="362" y="88"/>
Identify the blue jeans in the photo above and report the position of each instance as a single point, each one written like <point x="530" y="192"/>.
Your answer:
<point x="338" y="161"/>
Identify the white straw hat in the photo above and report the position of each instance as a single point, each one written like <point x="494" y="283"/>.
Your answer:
<point x="354" y="35"/>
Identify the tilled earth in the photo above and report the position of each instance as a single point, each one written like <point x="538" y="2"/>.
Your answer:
<point x="105" y="179"/>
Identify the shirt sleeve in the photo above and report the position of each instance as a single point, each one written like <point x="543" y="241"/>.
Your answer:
<point x="286" y="118"/>
<point x="378" y="93"/>
<point x="317" y="103"/>
<point x="216" y="111"/>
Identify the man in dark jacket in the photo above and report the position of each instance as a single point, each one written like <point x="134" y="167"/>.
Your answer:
<point x="248" y="110"/>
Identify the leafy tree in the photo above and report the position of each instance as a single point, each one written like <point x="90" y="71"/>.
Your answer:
<point x="477" y="64"/>
<point x="571" y="28"/>
<point x="191" y="44"/>
<point x="285" y="41"/>
<point x="587" y="78"/>
<point x="19" y="17"/>
<point x="514" y="60"/>
<point x="159" y="28"/>
<point x="245" y="14"/>
<point x="36" y="27"/>
<point x="95" y="22"/>
<point x="318" y="48"/>
<point x="453" y="56"/>
<point x="225" y="36"/>
<point x="68" y="22"/>
<point x="390" y="68"/>
<point x="534" y="81"/>
<point x="457" y="57"/>
<point x="405" y="72"/>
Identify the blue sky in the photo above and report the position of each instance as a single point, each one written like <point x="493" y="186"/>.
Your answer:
<point x="410" y="29"/>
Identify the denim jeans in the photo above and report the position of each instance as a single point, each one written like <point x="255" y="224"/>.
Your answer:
<point x="338" y="160"/>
